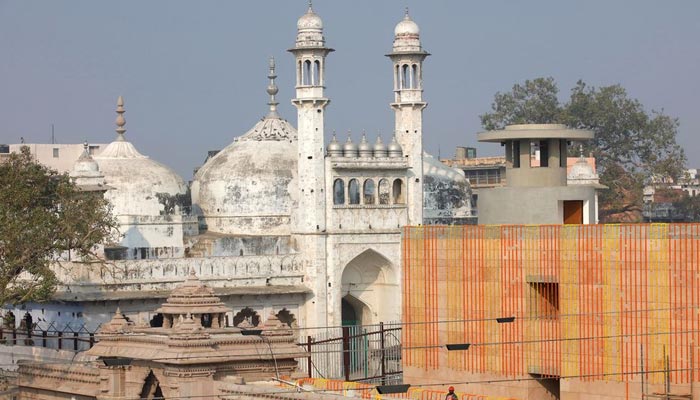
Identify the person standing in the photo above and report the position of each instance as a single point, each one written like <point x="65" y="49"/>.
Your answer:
<point x="451" y="394"/>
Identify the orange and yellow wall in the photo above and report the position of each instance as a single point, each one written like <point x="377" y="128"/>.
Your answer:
<point x="594" y="306"/>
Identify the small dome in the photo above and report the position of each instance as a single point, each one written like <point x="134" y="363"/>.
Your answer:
<point x="380" y="148"/>
<point x="334" y="148"/>
<point x="86" y="171"/>
<point x="364" y="149"/>
<point x="310" y="30"/>
<point x="394" y="148"/>
<point x="406" y="27"/>
<point x="310" y="20"/>
<point x="141" y="186"/>
<point x="350" y="148"/>
<point x="582" y="173"/>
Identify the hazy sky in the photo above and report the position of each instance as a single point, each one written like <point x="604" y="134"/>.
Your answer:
<point x="193" y="74"/>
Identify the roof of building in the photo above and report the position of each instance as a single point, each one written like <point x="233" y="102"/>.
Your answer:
<point x="535" y="131"/>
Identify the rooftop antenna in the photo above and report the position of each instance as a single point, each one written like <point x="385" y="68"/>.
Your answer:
<point x="53" y="137"/>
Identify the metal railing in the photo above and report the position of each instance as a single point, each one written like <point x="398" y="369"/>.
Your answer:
<point x="358" y="353"/>
<point x="68" y="337"/>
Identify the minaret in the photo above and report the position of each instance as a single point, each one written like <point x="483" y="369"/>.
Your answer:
<point x="310" y="52"/>
<point x="407" y="58"/>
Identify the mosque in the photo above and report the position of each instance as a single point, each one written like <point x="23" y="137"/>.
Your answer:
<point x="278" y="221"/>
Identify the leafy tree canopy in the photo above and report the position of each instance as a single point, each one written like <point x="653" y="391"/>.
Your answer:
<point x="631" y="146"/>
<point x="44" y="218"/>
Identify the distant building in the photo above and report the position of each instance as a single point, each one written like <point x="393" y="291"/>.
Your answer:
<point x="60" y="157"/>
<point x="543" y="184"/>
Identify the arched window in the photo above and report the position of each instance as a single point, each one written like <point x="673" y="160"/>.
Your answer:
<point x="397" y="78"/>
<point x="317" y="73"/>
<point x="384" y="192"/>
<point x="286" y="317"/>
<point x="405" y="80"/>
<point x="399" y="197"/>
<point x="307" y="72"/>
<point x="354" y="191"/>
<point x="246" y="314"/>
<point x="414" y="77"/>
<point x="300" y="75"/>
<point x="368" y="191"/>
<point x="338" y="192"/>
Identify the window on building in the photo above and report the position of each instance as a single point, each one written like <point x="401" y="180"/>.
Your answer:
<point x="544" y="153"/>
<point x="55" y="152"/>
<point x="246" y="314"/>
<point x="354" y="191"/>
<point x="384" y="192"/>
<point x="317" y="73"/>
<point x="286" y="317"/>
<point x="414" y="76"/>
<point x="515" y="151"/>
<point x="543" y="298"/>
<point x="338" y="192"/>
<point x="368" y="191"/>
<point x="306" y="73"/>
<point x="405" y="79"/>
<point x="399" y="196"/>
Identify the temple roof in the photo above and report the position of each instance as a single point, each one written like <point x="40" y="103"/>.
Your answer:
<point x="193" y="297"/>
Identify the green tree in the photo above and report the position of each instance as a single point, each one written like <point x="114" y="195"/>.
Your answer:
<point x="632" y="147"/>
<point x="44" y="219"/>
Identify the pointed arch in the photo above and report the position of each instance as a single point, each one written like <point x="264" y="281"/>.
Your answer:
<point x="370" y="286"/>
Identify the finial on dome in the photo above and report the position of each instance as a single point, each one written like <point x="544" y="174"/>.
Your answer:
<point x="311" y="6"/>
<point x="406" y="16"/>
<point x="85" y="145"/>
<point x="580" y="151"/>
<point x="272" y="90"/>
<point x="120" y="121"/>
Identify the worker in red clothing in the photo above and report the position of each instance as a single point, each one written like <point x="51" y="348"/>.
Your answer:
<point x="451" y="394"/>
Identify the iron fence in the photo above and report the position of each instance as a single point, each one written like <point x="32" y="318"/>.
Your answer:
<point x="358" y="353"/>
<point x="52" y="336"/>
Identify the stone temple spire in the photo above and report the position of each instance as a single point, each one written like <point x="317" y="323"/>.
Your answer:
<point x="272" y="90"/>
<point x="120" y="121"/>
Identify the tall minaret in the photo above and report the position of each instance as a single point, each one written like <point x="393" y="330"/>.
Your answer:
<point x="310" y="53"/>
<point x="407" y="58"/>
<point x="309" y="221"/>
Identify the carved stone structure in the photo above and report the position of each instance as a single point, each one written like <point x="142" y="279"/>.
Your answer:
<point x="190" y="356"/>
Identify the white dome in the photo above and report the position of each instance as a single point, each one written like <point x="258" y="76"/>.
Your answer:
<point x="310" y="30"/>
<point x="249" y="187"/>
<point x="310" y="20"/>
<point x="140" y="186"/>
<point x="406" y="27"/>
<point x="86" y="173"/>
<point x="582" y="173"/>
<point x="407" y="36"/>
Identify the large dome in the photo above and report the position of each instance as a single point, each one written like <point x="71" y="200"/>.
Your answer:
<point x="249" y="187"/>
<point x="139" y="186"/>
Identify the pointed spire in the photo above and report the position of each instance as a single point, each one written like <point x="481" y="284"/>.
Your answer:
<point x="86" y="152"/>
<point x="272" y="90"/>
<point x="311" y="7"/>
<point x="120" y="121"/>
<point x="406" y="16"/>
<point x="580" y="151"/>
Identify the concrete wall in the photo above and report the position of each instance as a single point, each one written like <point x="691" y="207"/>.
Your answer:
<point x="536" y="205"/>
